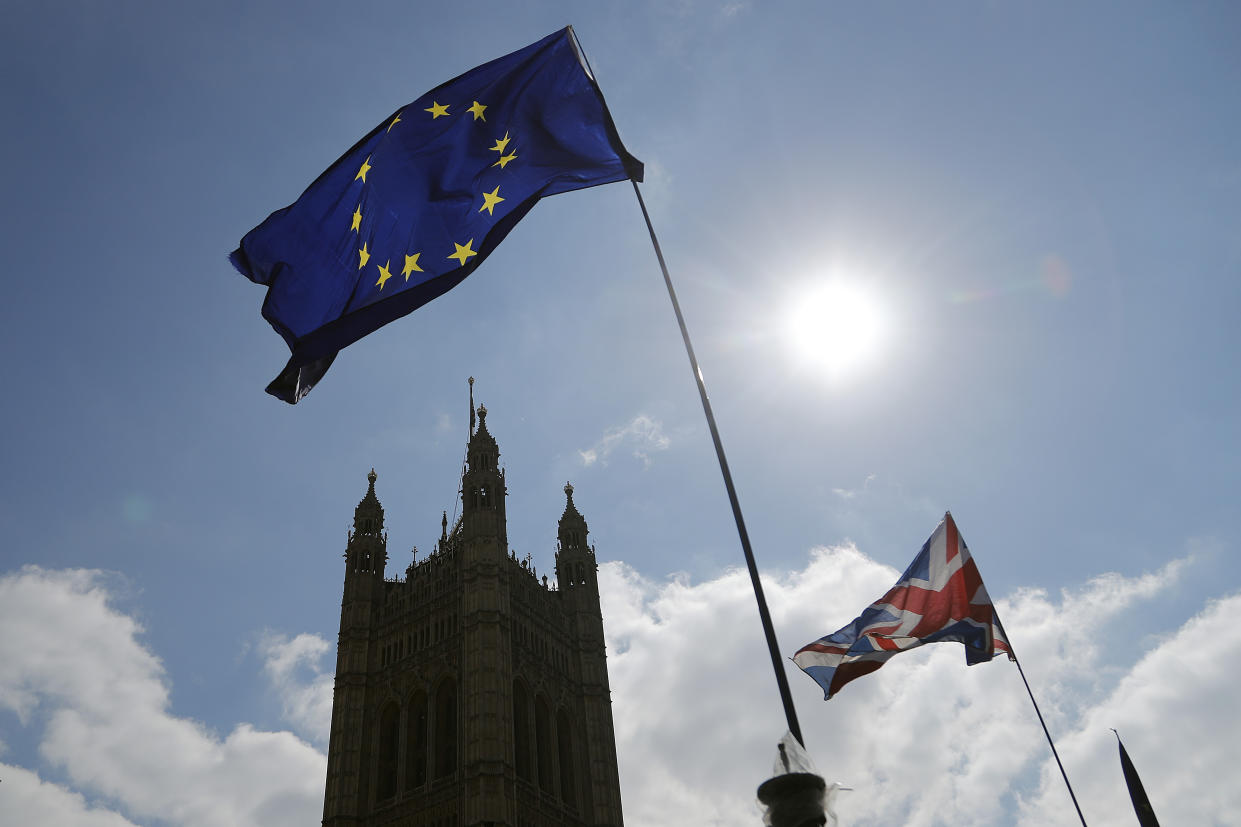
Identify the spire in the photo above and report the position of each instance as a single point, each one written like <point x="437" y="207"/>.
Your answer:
<point x="482" y="482"/>
<point x="368" y="517"/>
<point x="367" y="550"/>
<point x="569" y="509"/>
<point x="483" y="453"/>
<point x="572" y="533"/>
<point x="575" y="559"/>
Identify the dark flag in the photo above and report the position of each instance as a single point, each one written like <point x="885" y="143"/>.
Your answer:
<point x="416" y="205"/>
<point x="1141" y="804"/>
<point x="939" y="597"/>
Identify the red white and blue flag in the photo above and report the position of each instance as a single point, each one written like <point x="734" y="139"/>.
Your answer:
<point x="939" y="597"/>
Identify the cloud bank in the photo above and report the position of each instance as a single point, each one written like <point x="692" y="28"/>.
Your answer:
<point x="73" y="665"/>
<point x="924" y="741"/>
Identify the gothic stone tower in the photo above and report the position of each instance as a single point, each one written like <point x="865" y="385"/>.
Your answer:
<point x="471" y="693"/>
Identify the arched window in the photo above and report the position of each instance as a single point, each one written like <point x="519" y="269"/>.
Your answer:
<point x="543" y="743"/>
<point x="564" y="738"/>
<point x="389" y="744"/>
<point x="416" y="742"/>
<point x="446" y="729"/>
<point x="521" y="730"/>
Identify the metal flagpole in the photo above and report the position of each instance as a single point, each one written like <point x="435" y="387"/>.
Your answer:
<point x="1039" y="713"/>
<point x="786" y="696"/>
<point x="776" y="662"/>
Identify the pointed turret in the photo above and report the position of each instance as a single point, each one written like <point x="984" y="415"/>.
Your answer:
<point x="575" y="559"/>
<point x="578" y="581"/>
<point x="366" y="554"/>
<point x="367" y="551"/>
<point x="482" y="485"/>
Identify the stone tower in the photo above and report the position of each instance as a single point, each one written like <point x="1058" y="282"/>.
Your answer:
<point x="471" y="693"/>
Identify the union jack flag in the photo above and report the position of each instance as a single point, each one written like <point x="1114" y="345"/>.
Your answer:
<point x="939" y="597"/>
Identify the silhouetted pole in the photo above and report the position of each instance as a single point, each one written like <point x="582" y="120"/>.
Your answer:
<point x="786" y="696"/>
<point x="1039" y="713"/>
<point x="777" y="663"/>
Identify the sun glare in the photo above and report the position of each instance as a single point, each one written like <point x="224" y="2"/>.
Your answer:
<point x="836" y="327"/>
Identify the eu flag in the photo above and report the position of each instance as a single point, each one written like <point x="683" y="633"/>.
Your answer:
<point x="417" y="204"/>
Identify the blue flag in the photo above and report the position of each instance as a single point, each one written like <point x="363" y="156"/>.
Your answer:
<point x="417" y="204"/>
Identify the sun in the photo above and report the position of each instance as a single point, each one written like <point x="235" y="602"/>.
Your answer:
<point x="836" y="327"/>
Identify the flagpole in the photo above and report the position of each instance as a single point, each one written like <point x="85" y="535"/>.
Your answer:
<point x="1039" y="713"/>
<point x="777" y="663"/>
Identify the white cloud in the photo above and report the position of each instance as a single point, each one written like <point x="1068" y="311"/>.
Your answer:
<point x="294" y="668"/>
<point x="26" y="799"/>
<point x="1176" y="710"/>
<point x="67" y="654"/>
<point x="851" y="493"/>
<point x="925" y="741"/>
<point x="642" y="433"/>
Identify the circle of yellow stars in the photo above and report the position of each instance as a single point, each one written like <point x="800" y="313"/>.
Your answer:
<point x="463" y="252"/>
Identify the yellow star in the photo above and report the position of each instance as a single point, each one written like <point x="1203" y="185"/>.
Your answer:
<point x="477" y="109"/>
<point x="501" y="143"/>
<point x="366" y="165"/>
<point x="504" y="159"/>
<point x="384" y="275"/>
<point x="395" y="121"/>
<point x="436" y="110"/>
<point x="411" y="265"/>
<point x="363" y="256"/>
<point x="357" y="218"/>
<point x="464" y="253"/>
<point x="490" y="199"/>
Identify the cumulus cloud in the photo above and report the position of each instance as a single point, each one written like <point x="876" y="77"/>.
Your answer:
<point x="642" y="434"/>
<point x="102" y="698"/>
<point x="294" y="667"/>
<point x="1176" y="710"/>
<point x="926" y="740"/>
<point x="26" y="799"/>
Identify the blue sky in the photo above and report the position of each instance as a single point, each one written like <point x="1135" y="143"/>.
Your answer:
<point x="1043" y="203"/>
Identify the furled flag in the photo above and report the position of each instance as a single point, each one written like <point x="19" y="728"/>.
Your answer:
<point x="939" y="597"/>
<point x="1137" y="793"/>
<point x="417" y="204"/>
